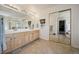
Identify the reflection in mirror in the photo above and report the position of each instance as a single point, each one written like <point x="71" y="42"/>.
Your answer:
<point x="12" y="23"/>
<point x="15" y="23"/>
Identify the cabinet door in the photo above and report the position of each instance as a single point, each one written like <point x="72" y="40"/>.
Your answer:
<point x="22" y="38"/>
<point x="17" y="40"/>
<point x="27" y="37"/>
<point x="15" y="43"/>
<point x="37" y="34"/>
<point x="33" y="36"/>
<point x="30" y="36"/>
<point x="8" y="44"/>
<point x="12" y="43"/>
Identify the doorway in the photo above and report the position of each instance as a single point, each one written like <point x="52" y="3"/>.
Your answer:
<point x="60" y="22"/>
<point x="62" y="27"/>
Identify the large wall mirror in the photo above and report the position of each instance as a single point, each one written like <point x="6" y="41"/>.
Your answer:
<point x="12" y="23"/>
<point x="15" y="23"/>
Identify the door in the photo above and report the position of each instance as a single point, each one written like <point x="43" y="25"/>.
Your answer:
<point x="1" y="34"/>
<point x="53" y="27"/>
<point x="64" y="27"/>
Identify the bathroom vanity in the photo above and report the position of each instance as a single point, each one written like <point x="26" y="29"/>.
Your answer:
<point x="18" y="33"/>
<point x="17" y="39"/>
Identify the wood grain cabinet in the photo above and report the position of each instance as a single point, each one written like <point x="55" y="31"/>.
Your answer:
<point x="9" y="43"/>
<point x="36" y="34"/>
<point x="27" y="37"/>
<point x="16" y="40"/>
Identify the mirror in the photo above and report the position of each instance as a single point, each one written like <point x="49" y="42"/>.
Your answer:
<point x="12" y="23"/>
<point x="15" y="23"/>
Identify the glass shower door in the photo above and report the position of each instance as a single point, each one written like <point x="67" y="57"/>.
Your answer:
<point x="60" y="27"/>
<point x="53" y="27"/>
<point x="64" y="27"/>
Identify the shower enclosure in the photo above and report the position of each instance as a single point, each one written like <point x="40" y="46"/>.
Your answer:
<point x="60" y="26"/>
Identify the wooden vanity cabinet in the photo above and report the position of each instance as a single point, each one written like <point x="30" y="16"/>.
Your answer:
<point x="34" y="35"/>
<point x="27" y="37"/>
<point x="16" y="40"/>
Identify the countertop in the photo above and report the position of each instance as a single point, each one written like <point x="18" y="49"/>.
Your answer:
<point x="20" y="30"/>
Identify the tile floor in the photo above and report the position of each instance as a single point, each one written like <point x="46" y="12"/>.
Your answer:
<point x="46" y="47"/>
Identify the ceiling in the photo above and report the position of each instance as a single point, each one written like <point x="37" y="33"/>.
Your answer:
<point x="41" y="9"/>
<point x="38" y="8"/>
<point x="9" y="12"/>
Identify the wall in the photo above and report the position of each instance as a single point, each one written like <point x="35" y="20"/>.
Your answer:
<point x="44" y="31"/>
